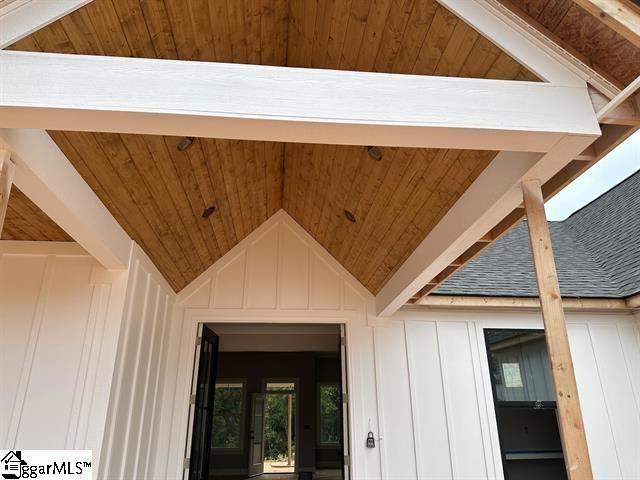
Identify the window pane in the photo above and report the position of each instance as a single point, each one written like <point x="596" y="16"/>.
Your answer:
<point x="227" y="415"/>
<point x="330" y="414"/>
<point x="520" y="366"/>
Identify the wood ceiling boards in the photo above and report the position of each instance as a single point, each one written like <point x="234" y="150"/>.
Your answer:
<point x="158" y="193"/>
<point x="25" y="221"/>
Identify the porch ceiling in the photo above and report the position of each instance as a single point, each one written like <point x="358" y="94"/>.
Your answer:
<point x="158" y="193"/>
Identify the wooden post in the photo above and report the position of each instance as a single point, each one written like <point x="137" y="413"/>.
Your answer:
<point x="289" y="452"/>
<point x="7" y="169"/>
<point x="574" y="441"/>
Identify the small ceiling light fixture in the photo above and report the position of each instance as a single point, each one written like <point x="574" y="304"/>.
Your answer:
<point x="350" y="216"/>
<point x="185" y="143"/>
<point x="208" y="211"/>
<point x="375" y="153"/>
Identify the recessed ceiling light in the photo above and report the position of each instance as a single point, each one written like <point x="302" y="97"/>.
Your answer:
<point x="375" y="153"/>
<point x="350" y="216"/>
<point x="185" y="143"/>
<point x="208" y="211"/>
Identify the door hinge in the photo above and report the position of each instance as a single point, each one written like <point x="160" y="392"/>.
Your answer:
<point x="345" y="397"/>
<point x="346" y="460"/>
<point x="198" y="341"/>
<point x="186" y="463"/>
<point x="192" y="399"/>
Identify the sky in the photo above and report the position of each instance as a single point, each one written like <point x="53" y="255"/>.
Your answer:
<point x="608" y="172"/>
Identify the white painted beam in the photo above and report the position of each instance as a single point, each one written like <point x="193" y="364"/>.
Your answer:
<point x="46" y="176"/>
<point x="494" y="194"/>
<point x="7" y="170"/>
<point x="21" y="18"/>
<point x="149" y="96"/>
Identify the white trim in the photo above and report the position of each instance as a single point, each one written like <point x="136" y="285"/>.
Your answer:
<point x="46" y="176"/>
<point x="21" y="18"/>
<point x="254" y="102"/>
<point x="29" y="248"/>
<point x="494" y="194"/>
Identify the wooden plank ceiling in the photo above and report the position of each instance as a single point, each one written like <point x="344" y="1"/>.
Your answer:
<point x="159" y="193"/>
<point x="25" y="221"/>
<point x="594" y="42"/>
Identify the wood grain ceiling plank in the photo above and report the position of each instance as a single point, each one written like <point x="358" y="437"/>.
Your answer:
<point x="261" y="173"/>
<point x="135" y="28"/>
<point x="159" y="26"/>
<point x="411" y="195"/>
<point x="81" y="33"/>
<point x="405" y="35"/>
<point x="148" y="167"/>
<point x="373" y="33"/>
<point x="237" y="31"/>
<point x="252" y="185"/>
<point x="275" y="176"/>
<point x="135" y="196"/>
<point x="327" y="162"/>
<point x="480" y="60"/>
<point x="354" y="35"/>
<point x="189" y="183"/>
<point x="160" y="157"/>
<point x="182" y="29"/>
<point x="503" y="67"/>
<point x="252" y="26"/>
<point x="200" y="15"/>
<point x="553" y="13"/>
<point x="270" y="30"/>
<point x="339" y="23"/>
<point x="312" y="162"/>
<point x="25" y="221"/>
<point x="54" y="39"/>
<point x="202" y="175"/>
<point x="228" y="168"/>
<point x="435" y="42"/>
<point x="108" y="28"/>
<point x="368" y="186"/>
<point x="392" y="34"/>
<point x="219" y="20"/>
<point x="240" y="179"/>
<point x="280" y="40"/>
<point x="221" y="200"/>
<point x="457" y="50"/>
<point x="380" y="193"/>
<point x="324" y="16"/>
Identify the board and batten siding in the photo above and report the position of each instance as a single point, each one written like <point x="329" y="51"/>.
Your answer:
<point x="418" y="380"/>
<point x="133" y="420"/>
<point x="434" y="386"/>
<point x="60" y="313"/>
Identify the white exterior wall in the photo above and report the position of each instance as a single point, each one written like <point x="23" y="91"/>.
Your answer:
<point x="419" y="380"/>
<point x="133" y="421"/>
<point x="60" y="313"/>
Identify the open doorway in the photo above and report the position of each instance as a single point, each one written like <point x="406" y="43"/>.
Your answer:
<point x="277" y="410"/>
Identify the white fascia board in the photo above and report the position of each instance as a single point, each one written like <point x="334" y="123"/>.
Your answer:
<point x="23" y="17"/>
<point x="45" y="175"/>
<point x="494" y="194"/>
<point x="518" y="42"/>
<point x="253" y="102"/>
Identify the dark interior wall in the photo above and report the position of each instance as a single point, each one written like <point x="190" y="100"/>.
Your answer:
<point x="307" y="369"/>
<point x="327" y="371"/>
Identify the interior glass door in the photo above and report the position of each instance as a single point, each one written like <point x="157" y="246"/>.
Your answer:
<point x="256" y="435"/>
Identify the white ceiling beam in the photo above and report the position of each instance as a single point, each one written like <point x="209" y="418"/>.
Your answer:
<point x="494" y="194"/>
<point x="45" y="175"/>
<point x="251" y="102"/>
<point x="21" y="18"/>
<point x="492" y="21"/>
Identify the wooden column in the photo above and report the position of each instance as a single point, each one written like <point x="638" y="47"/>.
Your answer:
<point x="7" y="169"/>
<point x="574" y="441"/>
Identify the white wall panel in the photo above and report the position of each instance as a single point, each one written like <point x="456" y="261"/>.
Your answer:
<point x="429" y="410"/>
<point x="60" y="317"/>
<point x="134" y="397"/>
<point x="394" y="403"/>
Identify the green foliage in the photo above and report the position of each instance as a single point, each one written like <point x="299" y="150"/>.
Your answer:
<point x="227" y="417"/>
<point x="275" y="428"/>
<point x="330" y="414"/>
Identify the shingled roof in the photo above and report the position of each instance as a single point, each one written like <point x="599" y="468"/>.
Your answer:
<point x="597" y="252"/>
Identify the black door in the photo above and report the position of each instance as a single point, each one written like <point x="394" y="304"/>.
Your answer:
<point x="203" y="412"/>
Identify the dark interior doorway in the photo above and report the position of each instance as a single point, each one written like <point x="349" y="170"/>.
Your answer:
<point x="277" y="403"/>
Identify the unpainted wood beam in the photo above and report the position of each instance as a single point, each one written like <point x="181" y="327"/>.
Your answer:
<point x="572" y="433"/>
<point x="621" y="16"/>
<point x="475" y="302"/>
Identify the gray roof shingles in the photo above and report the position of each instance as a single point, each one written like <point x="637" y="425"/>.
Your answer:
<point x="597" y="253"/>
